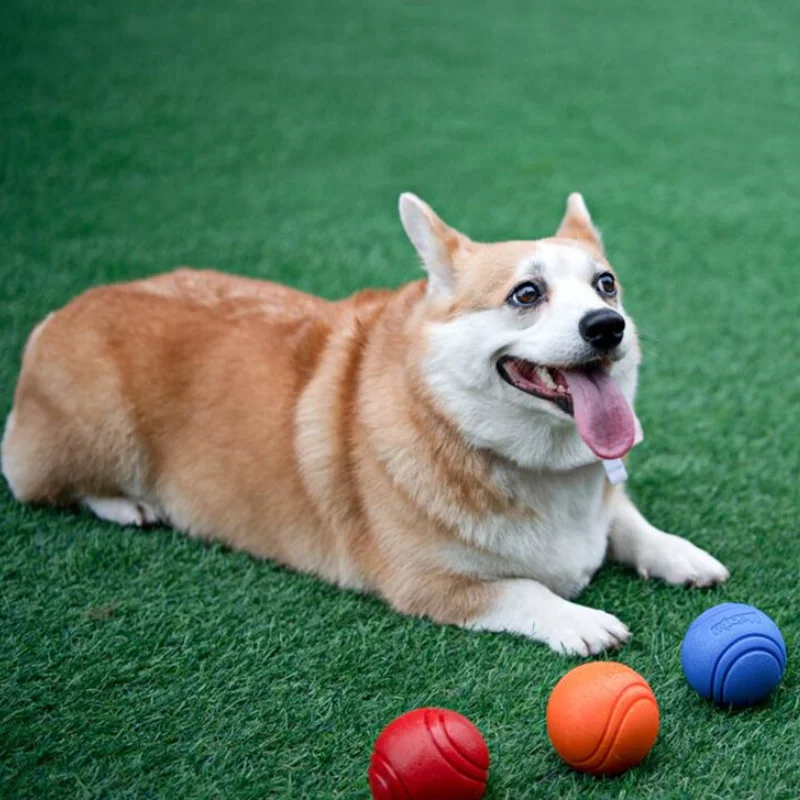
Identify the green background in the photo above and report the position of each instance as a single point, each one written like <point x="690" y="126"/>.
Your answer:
<point x="272" y="139"/>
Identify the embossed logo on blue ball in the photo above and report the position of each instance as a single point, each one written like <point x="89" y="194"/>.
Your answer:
<point x="726" y="624"/>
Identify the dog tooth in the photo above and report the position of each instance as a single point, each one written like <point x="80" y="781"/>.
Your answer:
<point x="544" y="376"/>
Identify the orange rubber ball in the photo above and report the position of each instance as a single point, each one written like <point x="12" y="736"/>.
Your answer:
<point x="602" y="718"/>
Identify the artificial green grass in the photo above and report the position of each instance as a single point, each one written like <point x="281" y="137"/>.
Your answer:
<point x="272" y="139"/>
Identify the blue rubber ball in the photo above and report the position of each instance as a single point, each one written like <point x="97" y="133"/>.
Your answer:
<point x="733" y="654"/>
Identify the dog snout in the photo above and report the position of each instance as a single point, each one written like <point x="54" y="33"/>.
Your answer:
<point x="602" y="329"/>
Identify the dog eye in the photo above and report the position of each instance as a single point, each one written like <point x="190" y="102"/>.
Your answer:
<point x="525" y="295"/>
<point x="605" y="284"/>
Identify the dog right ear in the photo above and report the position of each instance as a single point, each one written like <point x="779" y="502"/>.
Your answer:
<point x="435" y="241"/>
<point x="577" y="223"/>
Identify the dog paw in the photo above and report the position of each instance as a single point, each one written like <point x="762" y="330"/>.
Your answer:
<point x="148" y="515"/>
<point x="583" y="632"/>
<point x="528" y="608"/>
<point x="678" y="561"/>
<point x="122" y="511"/>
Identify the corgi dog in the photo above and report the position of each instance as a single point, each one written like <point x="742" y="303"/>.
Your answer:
<point x="445" y="446"/>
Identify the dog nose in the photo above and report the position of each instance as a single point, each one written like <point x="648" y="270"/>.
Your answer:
<point x="602" y="328"/>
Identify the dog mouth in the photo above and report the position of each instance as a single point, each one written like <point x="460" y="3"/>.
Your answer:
<point x="602" y="414"/>
<point x="548" y="383"/>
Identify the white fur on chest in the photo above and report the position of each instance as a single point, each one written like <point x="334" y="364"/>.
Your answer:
<point x="562" y="544"/>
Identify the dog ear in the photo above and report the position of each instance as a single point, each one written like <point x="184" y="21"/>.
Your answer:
<point x="435" y="241"/>
<point x="577" y="223"/>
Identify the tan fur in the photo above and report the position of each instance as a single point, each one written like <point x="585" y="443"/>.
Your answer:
<point x="248" y="412"/>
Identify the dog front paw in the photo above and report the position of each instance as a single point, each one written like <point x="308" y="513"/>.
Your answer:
<point x="678" y="561"/>
<point x="582" y="631"/>
<point x="528" y="608"/>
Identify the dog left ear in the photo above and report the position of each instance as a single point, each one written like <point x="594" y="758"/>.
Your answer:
<point x="435" y="241"/>
<point x="577" y="223"/>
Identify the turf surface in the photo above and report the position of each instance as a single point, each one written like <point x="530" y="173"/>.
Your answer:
<point x="272" y="139"/>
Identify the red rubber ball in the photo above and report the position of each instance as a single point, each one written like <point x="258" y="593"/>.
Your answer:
<point x="429" y="754"/>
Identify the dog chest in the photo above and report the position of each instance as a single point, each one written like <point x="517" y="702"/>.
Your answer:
<point x="560" y="542"/>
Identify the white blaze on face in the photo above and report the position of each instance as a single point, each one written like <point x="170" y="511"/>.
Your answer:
<point x="550" y="334"/>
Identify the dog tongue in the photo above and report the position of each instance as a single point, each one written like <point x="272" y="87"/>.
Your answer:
<point x="605" y="420"/>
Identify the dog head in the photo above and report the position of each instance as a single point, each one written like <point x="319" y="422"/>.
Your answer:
<point x="527" y="345"/>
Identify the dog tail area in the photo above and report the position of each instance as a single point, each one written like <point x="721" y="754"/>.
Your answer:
<point x="23" y="451"/>
<point x="68" y="436"/>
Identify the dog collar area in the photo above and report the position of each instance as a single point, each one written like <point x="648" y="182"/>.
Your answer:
<point x="615" y="470"/>
<point x="614" y="467"/>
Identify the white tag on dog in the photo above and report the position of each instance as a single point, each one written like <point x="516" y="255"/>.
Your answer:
<point x="615" y="470"/>
<point x="614" y="467"/>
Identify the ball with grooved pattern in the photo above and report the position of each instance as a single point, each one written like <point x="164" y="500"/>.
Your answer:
<point x="429" y="754"/>
<point x="602" y="718"/>
<point x="733" y="654"/>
